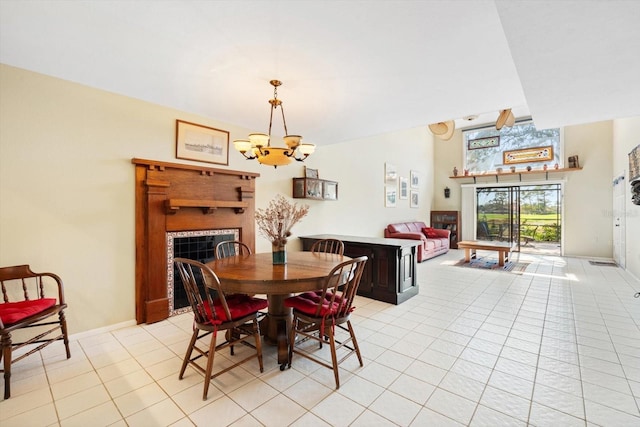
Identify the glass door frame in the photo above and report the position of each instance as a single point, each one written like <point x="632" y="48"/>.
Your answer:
<point x="474" y="204"/>
<point x="509" y="231"/>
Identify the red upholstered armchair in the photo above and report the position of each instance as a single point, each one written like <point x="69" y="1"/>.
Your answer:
<point x="30" y="300"/>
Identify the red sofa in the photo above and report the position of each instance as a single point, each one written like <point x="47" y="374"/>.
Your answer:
<point x="433" y="246"/>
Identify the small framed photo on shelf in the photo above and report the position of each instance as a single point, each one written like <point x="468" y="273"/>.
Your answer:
<point x="201" y="143"/>
<point x="414" y="199"/>
<point x="311" y="173"/>
<point x="573" y="162"/>
<point x="404" y="188"/>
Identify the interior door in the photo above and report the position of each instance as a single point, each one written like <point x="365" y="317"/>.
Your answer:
<point x="619" y="223"/>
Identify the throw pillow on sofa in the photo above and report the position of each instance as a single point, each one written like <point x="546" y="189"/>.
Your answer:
<point x="430" y="232"/>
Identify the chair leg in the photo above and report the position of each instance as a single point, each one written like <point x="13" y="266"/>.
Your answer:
<point x="256" y="337"/>
<point x="355" y="342"/>
<point x="6" y="355"/>
<point x="65" y="334"/>
<point x="210" y="355"/>
<point x="292" y="338"/>
<point x="187" y="356"/>
<point x="334" y="358"/>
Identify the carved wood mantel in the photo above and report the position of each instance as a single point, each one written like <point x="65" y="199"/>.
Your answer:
<point x="177" y="197"/>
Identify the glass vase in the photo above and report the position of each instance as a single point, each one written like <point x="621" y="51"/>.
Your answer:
<point x="279" y="253"/>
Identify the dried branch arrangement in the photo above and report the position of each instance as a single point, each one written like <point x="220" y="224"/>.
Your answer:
<point x="275" y="222"/>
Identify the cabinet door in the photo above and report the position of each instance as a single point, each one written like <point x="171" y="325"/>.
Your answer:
<point x="367" y="280"/>
<point x="407" y="272"/>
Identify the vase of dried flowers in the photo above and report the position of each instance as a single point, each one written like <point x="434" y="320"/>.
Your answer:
<point x="275" y="223"/>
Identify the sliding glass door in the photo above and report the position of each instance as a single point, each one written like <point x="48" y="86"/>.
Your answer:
<point x="528" y="216"/>
<point x="498" y="214"/>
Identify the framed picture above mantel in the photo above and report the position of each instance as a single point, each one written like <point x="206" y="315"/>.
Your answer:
<point x="201" y="143"/>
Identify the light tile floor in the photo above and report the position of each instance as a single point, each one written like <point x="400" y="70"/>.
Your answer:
<point x="558" y="345"/>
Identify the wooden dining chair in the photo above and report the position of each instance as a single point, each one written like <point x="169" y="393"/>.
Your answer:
<point x="30" y="300"/>
<point x="330" y="246"/>
<point x="316" y="316"/>
<point x="229" y="248"/>
<point x="214" y="311"/>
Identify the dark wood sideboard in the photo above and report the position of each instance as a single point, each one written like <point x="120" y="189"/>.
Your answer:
<point x="390" y="272"/>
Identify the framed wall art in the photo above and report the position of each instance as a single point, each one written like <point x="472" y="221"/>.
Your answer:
<point x="404" y="188"/>
<point x="487" y="142"/>
<point x="390" y="174"/>
<point x="415" y="179"/>
<point x="414" y="199"/>
<point x="390" y="194"/>
<point x="201" y="143"/>
<point x="528" y="155"/>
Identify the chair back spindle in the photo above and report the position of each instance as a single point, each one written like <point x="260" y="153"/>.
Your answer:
<point x="229" y="248"/>
<point x="329" y="246"/>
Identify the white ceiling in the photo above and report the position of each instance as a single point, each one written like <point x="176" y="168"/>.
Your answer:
<point x="350" y="69"/>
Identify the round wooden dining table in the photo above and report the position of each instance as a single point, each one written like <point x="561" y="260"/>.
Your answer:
<point x="256" y="274"/>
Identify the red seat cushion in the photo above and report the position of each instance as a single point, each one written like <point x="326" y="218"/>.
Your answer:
<point x="308" y="304"/>
<point x="14" y="312"/>
<point x="430" y="232"/>
<point x="239" y="306"/>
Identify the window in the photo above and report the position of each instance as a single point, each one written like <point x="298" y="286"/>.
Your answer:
<point x="484" y="148"/>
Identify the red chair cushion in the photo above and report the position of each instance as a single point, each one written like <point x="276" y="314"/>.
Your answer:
<point x="239" y="306"/>
<point x="430" y="232"/>
<point x="308" y="304"/>
<point x="14" y="312"/>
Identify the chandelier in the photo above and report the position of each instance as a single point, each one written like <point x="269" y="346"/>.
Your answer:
<point x="258" y="146"/>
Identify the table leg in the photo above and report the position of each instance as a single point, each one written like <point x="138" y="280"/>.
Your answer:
<point x="467" y="255"/>
<point x="277" y="322"/>
<point x="501" y="258"/>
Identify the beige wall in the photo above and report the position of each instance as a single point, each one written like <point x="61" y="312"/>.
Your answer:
<point x="67" y="185"/>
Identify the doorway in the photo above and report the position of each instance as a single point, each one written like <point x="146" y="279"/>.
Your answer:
<point x="528" y="216"/>
<point x="619" y="222"/>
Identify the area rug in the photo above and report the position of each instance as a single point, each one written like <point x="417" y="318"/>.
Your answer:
<point x="488" y="263"/>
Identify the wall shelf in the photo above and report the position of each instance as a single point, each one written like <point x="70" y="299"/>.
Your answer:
<point x="172" y="206"/>
<point x="314" y="188"/>
<point x="518" y="173"/>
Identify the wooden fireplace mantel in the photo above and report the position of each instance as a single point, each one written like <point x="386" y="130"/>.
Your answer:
<point x="178" y="197"/>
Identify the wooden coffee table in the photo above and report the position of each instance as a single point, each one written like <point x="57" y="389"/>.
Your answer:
<point x="470" y="247"/>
